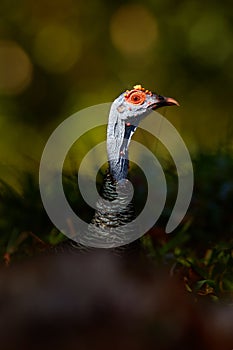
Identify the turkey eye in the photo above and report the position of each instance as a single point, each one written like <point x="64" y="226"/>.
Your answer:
<point x="136" y="97"/>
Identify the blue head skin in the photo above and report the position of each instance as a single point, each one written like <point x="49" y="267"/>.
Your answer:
<point x="126" y="113"/>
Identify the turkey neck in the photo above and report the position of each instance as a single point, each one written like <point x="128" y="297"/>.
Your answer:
<point x="119" y="134"/>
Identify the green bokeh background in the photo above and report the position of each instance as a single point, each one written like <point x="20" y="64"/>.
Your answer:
<point x="59" y="57"/>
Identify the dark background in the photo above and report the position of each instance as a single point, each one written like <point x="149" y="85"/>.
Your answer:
<point x="58" y="57"/>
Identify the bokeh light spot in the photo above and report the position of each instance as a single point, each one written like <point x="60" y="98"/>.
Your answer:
<point x="133" y="29"/>
<point x="56" y="48"/>
<point x="210" y="39"/>
<point x="15" y="68"/>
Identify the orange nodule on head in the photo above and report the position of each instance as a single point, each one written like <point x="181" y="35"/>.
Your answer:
<point x="139" y="87"/>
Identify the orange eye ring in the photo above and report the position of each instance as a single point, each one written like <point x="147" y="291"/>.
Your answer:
<point x="136" y="97"/>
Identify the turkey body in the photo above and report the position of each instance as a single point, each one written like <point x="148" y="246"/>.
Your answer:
<point x="114" y="211"/>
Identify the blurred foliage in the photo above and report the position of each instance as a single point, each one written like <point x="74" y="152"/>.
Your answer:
<point x="59" y="57"/>
<point x="200" y="251"/>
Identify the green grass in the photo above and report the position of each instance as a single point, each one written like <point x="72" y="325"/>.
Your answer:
<point x="200" y="251"/>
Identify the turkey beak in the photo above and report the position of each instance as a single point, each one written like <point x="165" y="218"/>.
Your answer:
<point x="162" y="101"/>
<point x="169" y="101"/>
